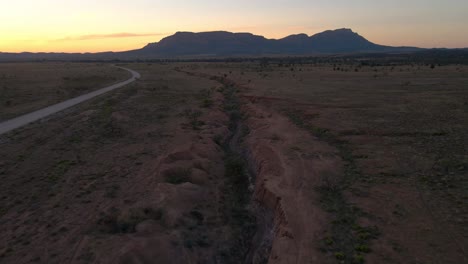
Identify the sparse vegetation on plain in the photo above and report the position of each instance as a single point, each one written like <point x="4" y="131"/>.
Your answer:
<point x="25" y="87"/>
<point x="331" y="159"/>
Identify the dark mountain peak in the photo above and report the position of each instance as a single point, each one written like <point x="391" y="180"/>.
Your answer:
<point x="342" y="40"/>
<point x="178" y="33"/>
<point x="301" y="36"/>
<point x="342" y="32"/>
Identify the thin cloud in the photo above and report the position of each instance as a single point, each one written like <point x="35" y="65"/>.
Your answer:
<point x="115" y="35"/>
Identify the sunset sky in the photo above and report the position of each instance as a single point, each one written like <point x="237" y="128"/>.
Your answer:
<point x="115" y="25"/>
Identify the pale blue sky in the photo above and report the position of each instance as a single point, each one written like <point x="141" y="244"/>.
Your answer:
<point x="91" y="25"/>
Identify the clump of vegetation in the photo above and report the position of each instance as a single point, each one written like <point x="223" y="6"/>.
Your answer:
<point x="340" y="256"/>
<point x="2" y="211"/>
<point x="193" y="117"/>
<point x="358" y="259"/>
<point x="107" y="127"/>
<point x="207" y="103"/>
<point x="205" y="96"/>
<point x="196" y="235"/>
<point x="115" y="222"/>
<point x="201" y="241"/>
<point x="218" y="139"/>
<point x="111" y="192"/>
<point x="59" y="169"/>
<point x="178" y="175"/>
<point x="75" y="138"/>
<point x="232" y="106"/>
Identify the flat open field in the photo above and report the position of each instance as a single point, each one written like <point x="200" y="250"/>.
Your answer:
<point x="25" y="87"/>
<point x="245" y="163"/>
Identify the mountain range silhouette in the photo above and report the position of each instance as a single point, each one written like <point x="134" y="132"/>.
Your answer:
<point x="223" y="44"/>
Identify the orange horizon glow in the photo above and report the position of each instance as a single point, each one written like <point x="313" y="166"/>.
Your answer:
<point x="113" y="25"/>
<point x="115" y="42"/>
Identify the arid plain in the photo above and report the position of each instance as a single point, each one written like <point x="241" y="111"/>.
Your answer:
<point x="247" y="162"/>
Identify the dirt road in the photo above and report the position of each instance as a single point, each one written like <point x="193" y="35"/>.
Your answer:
<point x="23" y="120"/>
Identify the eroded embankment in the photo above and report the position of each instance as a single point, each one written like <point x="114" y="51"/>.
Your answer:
<point x="287" y="164"/>
<point x="239" y="217"/>
<point x="290" y="165"/>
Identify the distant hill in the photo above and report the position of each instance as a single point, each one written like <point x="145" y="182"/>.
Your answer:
<point x="221" y="43"/>
<point x="209" y="43"/>
<point x="227" y="44"/>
